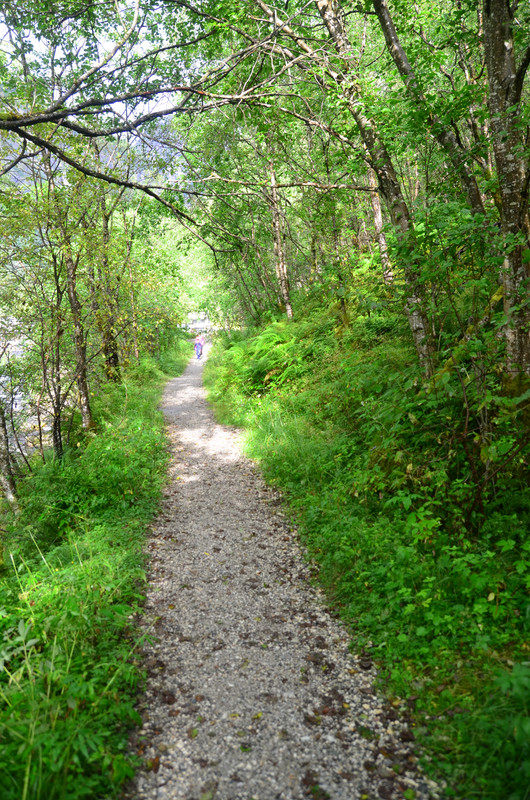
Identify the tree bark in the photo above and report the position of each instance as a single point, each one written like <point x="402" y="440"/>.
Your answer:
<point x="130" y="233"/>
<point x="106" y="315"/>
<point x="7" y="480"/>
<point x="378" y="155"/>
<point x="79" y="339"/>
<point x="389" y="185"/>
<point x="505" y="83"/>
<point x="271" y="291"/>
<point x="75" y="304"/>
<point x="279" y="250"/>
<point x="388" y="275"/>
<point x="53" y="375"/>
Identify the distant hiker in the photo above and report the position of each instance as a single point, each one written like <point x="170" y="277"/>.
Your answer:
<point x="198" y="346"/>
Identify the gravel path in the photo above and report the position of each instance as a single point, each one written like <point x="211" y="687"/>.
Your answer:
<point x="252" y="693"/>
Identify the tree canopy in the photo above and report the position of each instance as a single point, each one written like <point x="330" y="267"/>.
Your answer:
<point x="348" y="179"/>
<point x="298" y="142"/>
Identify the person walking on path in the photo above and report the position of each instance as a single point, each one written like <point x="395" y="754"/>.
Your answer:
<point x="198" y="346"/>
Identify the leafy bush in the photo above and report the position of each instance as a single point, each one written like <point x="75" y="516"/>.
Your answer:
<point x="417" y="520"/>
<point x="72" y="581"/>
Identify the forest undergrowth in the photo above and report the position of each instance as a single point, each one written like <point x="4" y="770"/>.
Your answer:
<point x="419" y="534"/>
<point x="70" y="585"/>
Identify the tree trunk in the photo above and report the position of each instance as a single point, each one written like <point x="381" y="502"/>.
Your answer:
<point x="505" y="83"/>
<point x="54" y="382"/>
<point x="79" y="340"/>
<point x="379" y="159"/>
<point x="132" y="295"/>
<point x="388" y="275"/>
<point x="75" y="304"/>
<point x="261" y="270"/>
<point x="53" y="375"/>
<point x="389" y="186"/>
<point x="107" y="315"/>
<point x="279" y="251"/>
<point x="7" y="480"/>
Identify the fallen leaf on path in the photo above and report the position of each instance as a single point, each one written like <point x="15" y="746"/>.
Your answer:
<point x="154" y="764"/>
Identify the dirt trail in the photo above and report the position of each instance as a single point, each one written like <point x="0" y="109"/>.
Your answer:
<point x="252" y="693"/>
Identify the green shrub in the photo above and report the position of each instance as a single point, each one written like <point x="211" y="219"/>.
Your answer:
<point x="72" y="581"/>
<point x="425" y="554"/>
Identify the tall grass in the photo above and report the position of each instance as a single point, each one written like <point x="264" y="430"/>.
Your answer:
<point x="375" y="473"/>
<point x="69" y="591"/>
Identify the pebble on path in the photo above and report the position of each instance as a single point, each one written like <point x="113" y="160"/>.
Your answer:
<point x="252" y="693"/>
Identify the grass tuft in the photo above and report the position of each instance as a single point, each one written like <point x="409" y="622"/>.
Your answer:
<point x="69" y="591"/>
<point x="378" y="473"/>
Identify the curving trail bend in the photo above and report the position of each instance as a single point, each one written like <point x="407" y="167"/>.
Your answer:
<point x="252" y="693"/>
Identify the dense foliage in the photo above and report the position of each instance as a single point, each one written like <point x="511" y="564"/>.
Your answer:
<point x="368" y="157"/>
<point x="69" y="590"/>
<point x="291" y="126"/>
<point x="375" y="466"/>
